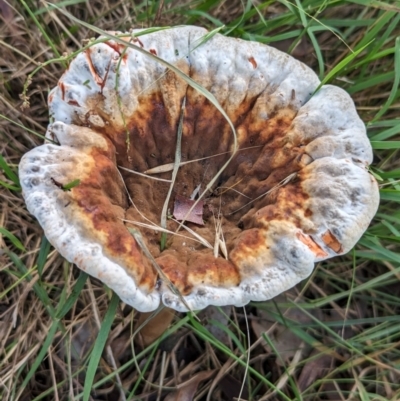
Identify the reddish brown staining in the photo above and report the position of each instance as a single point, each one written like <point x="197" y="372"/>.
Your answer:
<point x="105" y="77"/>
<point x="62" y="87"/>
<point x="312" y="245"/>
<point x="249" y="243"/>
<point x="116" y="243"/>
<point x="116" y="240"/>
<point x="308" y="213"/>
<point x="253" y="62"/>
<point x="286" y="204"/>
<point x="51" y="97"/>
<point x="118" y="47"/>
<point x="269" y="132"/>
<point x="96" y="106"/>
<point x="199" y="268"/>
<point x="108" y="151"/>
<point x="294" y="196"/>
<point x="99" y="80"/>
<point x="274" y="131"/>
<point x="101" y="200"/>
<point x="176" y="271"/>
<point x="205" y="269"/>
<point x="152" y="136"/>
<point x="228" y="273"/>
<point x="332" y="242"/>
<point x="73" y="103"/>
<point x="153" y="51"/>
<point x="137" y="40"/>
<point x="273" y="161"/>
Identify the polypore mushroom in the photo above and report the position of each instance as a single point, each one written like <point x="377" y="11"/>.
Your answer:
<point x="297" y="191"/>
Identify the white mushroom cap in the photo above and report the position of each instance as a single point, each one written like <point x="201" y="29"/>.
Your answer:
<point x="301" y="189"/>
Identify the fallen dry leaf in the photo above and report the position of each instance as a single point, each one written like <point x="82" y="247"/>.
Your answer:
<point x="231" y="388"/>
<point x="314" y="369"/>
<point x="186" y="391"/>
<point x="182" y="206"/>
<point x="285" y="341"/>
<point x="155" y="327"/>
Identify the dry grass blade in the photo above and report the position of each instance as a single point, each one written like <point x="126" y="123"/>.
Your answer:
<point x="277" y="186"/>
<point x="144" y="175"/>
<point x="186" y="391"/>
<point x="170" y="166"/>
<point x="176" y="166"/>
<point x="139" y="239"/>
<point x="170" y="66"/>
<point x="197" y="236"/>
<point x="219" y="242"/>
<point x="154" y="227"/>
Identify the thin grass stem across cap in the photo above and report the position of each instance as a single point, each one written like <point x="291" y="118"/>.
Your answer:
<point x="274" y="171"/>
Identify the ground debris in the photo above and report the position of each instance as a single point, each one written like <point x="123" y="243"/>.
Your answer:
<point x="183" y="210"/>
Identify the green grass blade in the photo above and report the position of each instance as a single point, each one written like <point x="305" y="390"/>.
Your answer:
<point x="21" y="277"/>
<point x="10" y="187"/>
<point x="206" y="336"/>
<point x="72" y="184"/>
<point x="390" y="174"/>
<point x="43" y="253"/>
<point x="229" y="332"/>
<point x="385" y="144"/>
<point x="341" y="66"/>
<point x="390" y="195"/>
<point x="37" y="287"/>
<point x="42" y="353"/>
<point x="14" y="240"/>
<point x="9" y="172"/>
<point x="99" y="346"/>
<point x="23" y="127"/>
<point x="41" y="29"/>
<point x="64" y="308"/>
<point x="395" y="87"/>
<point x="386" y="134"/>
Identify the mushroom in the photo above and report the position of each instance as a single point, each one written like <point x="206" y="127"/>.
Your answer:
<point x="296" y="190"/>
